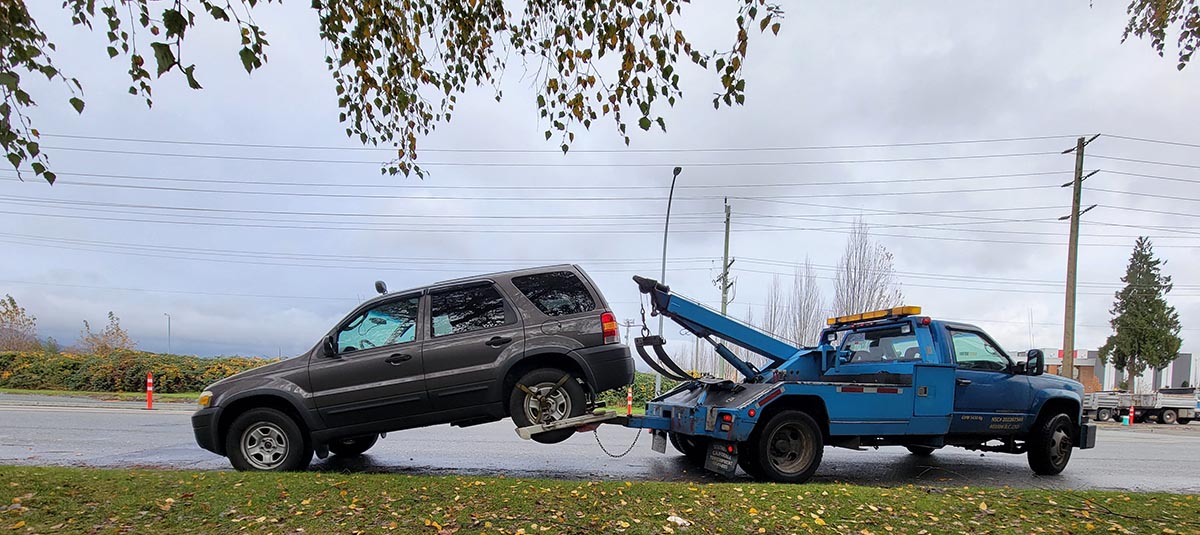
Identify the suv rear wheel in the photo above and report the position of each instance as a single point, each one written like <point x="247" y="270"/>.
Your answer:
<point x="267" y="440"/>
<point x="352" y="446"/>
<point x="546" y="395"/>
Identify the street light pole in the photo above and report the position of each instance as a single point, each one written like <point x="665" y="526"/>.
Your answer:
<point x="662" y="276"/>
<point x="168" y="332"/>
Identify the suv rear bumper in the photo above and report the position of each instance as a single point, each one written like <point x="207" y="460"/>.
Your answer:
<point x="610" y="366"/>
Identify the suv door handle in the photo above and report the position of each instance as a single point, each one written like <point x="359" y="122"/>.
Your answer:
<point x="398" y="358"/>
<point x="962" y="382"/>
<point x="498" y="341"/>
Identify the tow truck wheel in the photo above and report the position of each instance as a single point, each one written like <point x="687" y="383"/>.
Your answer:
<point x="694" y="448"/>
<point x="267" y="440"/>
<point x="352" y="446"/>
<point x="920" y="451"/>
<point x="790" y="447"/>
<point x="546" y="395"/>
<point x="1050" y="445"/>
<point x="1167" y="416"/>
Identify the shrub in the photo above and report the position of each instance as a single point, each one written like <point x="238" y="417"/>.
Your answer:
<point x="643" y="390"/>
<point x="122" y="371"/>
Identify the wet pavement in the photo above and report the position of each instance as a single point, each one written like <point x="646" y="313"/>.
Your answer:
<point x="81" y="432"/>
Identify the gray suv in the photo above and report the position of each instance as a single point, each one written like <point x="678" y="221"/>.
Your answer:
<point x="536" y="345"/>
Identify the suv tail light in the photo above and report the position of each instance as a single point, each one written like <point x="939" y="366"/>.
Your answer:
<point x="608" y="322"/>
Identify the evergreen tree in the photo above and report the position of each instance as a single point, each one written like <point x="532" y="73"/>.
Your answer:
<point x="1145" y="327"/>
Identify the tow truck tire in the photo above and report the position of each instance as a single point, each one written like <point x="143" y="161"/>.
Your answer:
<point x="1104" y="414"/>
<point x="1168" y="417"/>
<point x="921" y="451"/>
<point x="694" y="448"/>
<point x="789" y="448"/>
<point x="1050" y="444"/>
<point x="566" y="401"/>
<point x="352" y="446"/>
<point x="267" y="440"/>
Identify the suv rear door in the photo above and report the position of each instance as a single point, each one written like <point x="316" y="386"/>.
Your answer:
<point x="472" y="328"/>
<point x="377" y="373"/>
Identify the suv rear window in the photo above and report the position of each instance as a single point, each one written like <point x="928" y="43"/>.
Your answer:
<point x="466" y="309"/>
<point x="557" y="293"/>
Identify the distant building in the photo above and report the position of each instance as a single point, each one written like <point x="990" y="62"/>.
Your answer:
<point x="1097" y="376"/>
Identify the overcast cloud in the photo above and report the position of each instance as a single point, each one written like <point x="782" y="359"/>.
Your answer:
<point x="874" y="73"/>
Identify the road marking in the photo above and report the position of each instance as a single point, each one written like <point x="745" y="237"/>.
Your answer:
<point x="103" y="410"/>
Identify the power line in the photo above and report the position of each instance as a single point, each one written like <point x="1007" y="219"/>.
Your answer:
<point x="333" y="184"/>
<point x="550" y="164"/>
<point x="1159" y="141"/>
<point x="527" y="199"/>
<point x="1151" y="162"/>
<point x="1158" y="177"/>
<point x="556" y="151"/>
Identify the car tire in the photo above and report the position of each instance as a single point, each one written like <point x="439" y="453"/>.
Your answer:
<point x="267" y="440"/>
<point x="1168" y="417"/>
<point x="565" y="401"/>
<point x="1104" y="414"/>
<point x="694" y="448"/>
<point x="920" y="451"/>
<point x="789" y="448"/>
<point x="352" y="446"/>
<point x="1050" y="444"/>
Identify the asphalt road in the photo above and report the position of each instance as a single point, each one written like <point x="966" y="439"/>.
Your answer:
<point x="57" y="432"/>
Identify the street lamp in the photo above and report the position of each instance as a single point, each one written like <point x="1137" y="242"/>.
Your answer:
<point x="662" y="276"/>
<point x="168" y="332"/>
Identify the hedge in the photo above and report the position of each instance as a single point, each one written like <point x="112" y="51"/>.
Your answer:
<point x="120" y="372"/>
<point x="643" y="391"/>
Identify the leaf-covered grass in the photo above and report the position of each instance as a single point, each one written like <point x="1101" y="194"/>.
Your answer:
<point x="107" y="396"/>
<point x="77" y="500"/>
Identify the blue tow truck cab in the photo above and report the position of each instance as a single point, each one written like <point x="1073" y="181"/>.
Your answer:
<point x="884" y="378"/>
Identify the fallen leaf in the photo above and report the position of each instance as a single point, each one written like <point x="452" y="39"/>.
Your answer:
<point x="18" y="525"/>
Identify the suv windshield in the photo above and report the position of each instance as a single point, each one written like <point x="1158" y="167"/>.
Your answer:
<point x="880" y="345"/>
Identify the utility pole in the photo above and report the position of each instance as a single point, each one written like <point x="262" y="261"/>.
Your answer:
<point x="168" y="332"/>
<point x="724" y="280"/>
<point x="1068" y="356"/>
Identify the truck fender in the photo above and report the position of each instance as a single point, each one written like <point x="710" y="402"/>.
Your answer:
<point x="1057" y="401"/>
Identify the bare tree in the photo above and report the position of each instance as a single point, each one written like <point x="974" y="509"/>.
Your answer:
<point x="112" y="338"/>
<point x="18" y="330"/>
<point x="866" y="278"/>
<point x="805" y="307"/>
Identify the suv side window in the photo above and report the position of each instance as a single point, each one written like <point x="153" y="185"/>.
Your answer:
<point x="973" y="352"/>
<point x="466" y="309"/>
<point x="391" y="322"/>
<point x="557" y="293"/>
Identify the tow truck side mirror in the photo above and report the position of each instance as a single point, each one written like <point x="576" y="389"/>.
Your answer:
<point x="1036" y="363"/>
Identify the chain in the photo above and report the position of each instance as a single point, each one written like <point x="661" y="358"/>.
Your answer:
<point x="636" y="436"/>
<point x="645" y="329"/>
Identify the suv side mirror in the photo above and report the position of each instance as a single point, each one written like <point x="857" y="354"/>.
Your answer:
<point x="1036" y="363"/>
<point x="329" y="347"/>
<point x="381" y="287"/>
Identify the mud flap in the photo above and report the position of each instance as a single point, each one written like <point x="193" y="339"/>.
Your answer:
<point x="1087" y="436"/>
<point x="659" y="442"/>
<point x="722" y="457"/>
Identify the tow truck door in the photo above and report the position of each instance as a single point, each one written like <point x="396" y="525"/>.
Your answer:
<point x="989" y="397"/>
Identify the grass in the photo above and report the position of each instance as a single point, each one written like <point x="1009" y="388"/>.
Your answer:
<point x="81" y="500"/>
<point x="107" y="396"/>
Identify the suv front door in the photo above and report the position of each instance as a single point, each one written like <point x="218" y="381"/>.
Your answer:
<point x="377" y="373"/>
<point x="472" y="329"/>
<point x="989" y="398"/>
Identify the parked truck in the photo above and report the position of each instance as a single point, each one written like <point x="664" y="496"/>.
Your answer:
<point x="883" y="378"/>
<point x="1166" y="406"/>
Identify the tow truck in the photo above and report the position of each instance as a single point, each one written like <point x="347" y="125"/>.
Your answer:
<point x="882" y="378"/>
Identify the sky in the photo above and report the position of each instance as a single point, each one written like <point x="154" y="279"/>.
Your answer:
<point x="259" y="250"/>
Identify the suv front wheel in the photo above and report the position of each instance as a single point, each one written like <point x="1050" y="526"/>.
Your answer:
<point x="546" y="395"/>
<point x="267" y="440"/>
